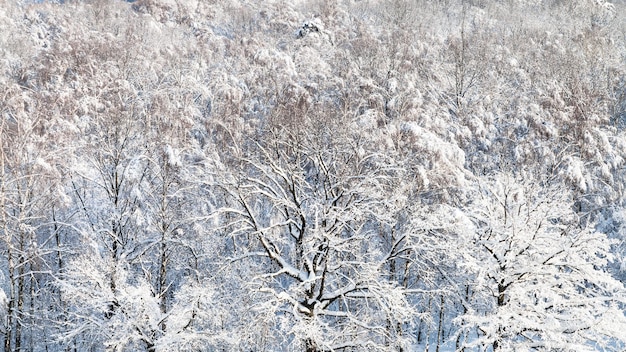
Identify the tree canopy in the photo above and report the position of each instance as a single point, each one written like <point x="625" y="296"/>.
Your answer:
<point x="381" y="175"/>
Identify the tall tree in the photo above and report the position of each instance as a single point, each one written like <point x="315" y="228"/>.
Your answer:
<point x="305" y="213"/>
<point x="541" y="276"/>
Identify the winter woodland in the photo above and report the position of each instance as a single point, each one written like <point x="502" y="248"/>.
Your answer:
<point x="319" y="175"/>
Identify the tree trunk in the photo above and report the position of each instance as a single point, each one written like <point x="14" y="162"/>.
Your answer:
<point x="441" y="321"/>
<point x="310" y="346"/>
<point x="163" y="280"/>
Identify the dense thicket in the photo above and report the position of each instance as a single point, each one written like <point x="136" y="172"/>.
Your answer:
<point x="374" y="175"/>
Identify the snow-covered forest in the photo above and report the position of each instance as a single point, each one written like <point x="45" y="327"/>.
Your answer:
<point x="313" y="175"/>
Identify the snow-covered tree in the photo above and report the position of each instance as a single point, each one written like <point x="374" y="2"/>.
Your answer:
<point x="244" y="175"/>
<point x="305" y="212"/>
<point x="541" y="280"/>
